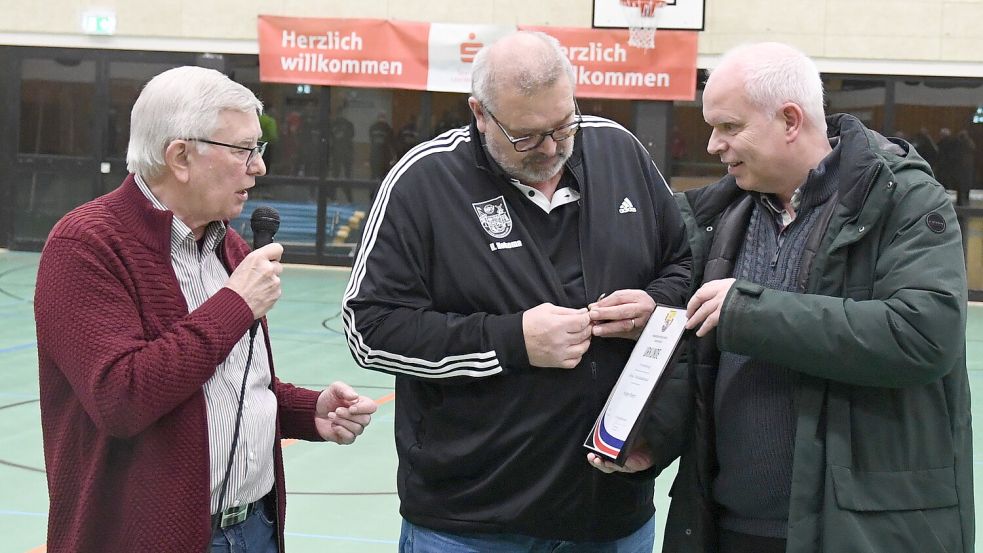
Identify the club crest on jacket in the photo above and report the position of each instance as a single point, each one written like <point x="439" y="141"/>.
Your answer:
<point x="494" y="217"/>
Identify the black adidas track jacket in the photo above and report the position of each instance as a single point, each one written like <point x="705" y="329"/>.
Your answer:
<point x="486" y="442"/>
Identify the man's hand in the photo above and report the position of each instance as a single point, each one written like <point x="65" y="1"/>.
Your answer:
<point x="342" y="414"/>
<point x="556" y="336"/>
<point x="257" y="279"/>
<point x="623" y="314"/>
<point x="638" y="460"/>
<point x="704" y="306"/>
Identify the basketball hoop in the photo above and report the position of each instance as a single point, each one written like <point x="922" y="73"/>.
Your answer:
<point x="642" y="18"/>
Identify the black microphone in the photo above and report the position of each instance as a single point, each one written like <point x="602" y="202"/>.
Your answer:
<point x="265" y="221"/>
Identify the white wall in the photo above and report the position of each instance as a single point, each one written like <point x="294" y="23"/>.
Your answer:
<point x="927" y="37"/>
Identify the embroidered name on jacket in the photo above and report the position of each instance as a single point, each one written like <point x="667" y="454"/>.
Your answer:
<point x="494" y="217"/>
<point x="505" y="245"/>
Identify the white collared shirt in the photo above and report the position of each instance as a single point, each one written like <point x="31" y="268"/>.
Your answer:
<point x="201" y="274"/>
<point x="562" y="196"/>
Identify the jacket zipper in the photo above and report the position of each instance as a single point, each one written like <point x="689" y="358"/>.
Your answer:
<point x="583" y="240"/>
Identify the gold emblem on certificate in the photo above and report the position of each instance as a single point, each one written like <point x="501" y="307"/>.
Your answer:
<point x="618" y="422"/>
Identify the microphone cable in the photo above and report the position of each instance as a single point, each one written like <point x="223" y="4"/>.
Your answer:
<point x="265" y="221"/>
<point x="235" y="434"/>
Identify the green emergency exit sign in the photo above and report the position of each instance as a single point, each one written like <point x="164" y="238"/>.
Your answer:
<point x="99" y="23"/>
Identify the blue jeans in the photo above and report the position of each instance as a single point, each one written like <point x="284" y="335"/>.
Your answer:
<point x="256" y="534"/>
<point x="417" y="539"/>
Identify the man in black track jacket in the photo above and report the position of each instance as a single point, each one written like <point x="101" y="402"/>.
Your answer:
<point x="505" y="273"/>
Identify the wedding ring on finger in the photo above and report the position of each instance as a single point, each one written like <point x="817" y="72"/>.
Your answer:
<point x="632" y="324"/>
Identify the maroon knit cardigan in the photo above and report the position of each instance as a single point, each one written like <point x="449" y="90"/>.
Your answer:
<point x="122" y="369"/>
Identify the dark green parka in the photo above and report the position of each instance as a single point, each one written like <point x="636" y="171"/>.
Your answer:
<point x="883" y="448"/>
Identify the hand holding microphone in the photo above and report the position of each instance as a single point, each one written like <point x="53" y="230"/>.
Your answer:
<point x="257" y="278"/>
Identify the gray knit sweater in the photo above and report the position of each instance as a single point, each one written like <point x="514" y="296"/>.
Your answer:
<point x="753" y="411"/>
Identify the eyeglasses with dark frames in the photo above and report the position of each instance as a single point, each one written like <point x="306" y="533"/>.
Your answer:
<point x="259" y="149"/>
<point x="531" y="142"/>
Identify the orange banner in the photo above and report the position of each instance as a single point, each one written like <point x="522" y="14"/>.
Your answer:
<point x="344" y="52"/>
<point x="606" y="67"/>
<point x="377" y="53"/>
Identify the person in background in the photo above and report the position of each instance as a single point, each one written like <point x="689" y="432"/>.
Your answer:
<point x="506" y="272"/>
<point x="290" y="162"/>
<point x="449" y="119"/>
<point x="161" y="415"/>
<point x="271" y="134"/>
<point x="407" y="138"/>
<point x="342" y="153"/>
<point x="965" y="166"/>
<point x="925" y="146"/>
<point x="381" y="147"/>
<point x="342" y="147"/>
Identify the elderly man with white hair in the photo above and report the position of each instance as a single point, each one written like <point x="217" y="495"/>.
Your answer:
<point x="160" y="410"/>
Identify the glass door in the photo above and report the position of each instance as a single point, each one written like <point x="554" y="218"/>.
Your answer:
<point x="55" y="144"/>
<point x="69" y="123"/>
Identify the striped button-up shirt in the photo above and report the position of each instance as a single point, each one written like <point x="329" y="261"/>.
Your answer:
<point x="201" y="274"/>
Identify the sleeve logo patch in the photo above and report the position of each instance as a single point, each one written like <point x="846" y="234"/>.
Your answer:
<point x="935" y="222"/>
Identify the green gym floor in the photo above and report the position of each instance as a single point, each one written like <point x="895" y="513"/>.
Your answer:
<point x="339" y="498"/>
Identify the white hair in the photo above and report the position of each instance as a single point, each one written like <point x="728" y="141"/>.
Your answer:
<point x="184" y="102"/>
<point x="776" y="73"/>
<point x="533" y="71"/>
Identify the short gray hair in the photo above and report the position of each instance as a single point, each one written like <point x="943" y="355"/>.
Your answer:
<point x="184" y="102"/>
<point x="776" y="73"/>
<point x="538" y="68"/>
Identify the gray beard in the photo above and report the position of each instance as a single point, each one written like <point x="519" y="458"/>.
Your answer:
<point x="529" y="174"/>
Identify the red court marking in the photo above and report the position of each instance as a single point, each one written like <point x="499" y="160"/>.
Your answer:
<point x="287" y="443"/>
<point x="386" y="398"/>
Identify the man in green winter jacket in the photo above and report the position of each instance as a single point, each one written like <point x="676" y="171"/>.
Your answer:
<point x="831" y="406"/>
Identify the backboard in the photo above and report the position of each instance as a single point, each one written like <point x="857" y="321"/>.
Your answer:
<point x="676" y="14"/>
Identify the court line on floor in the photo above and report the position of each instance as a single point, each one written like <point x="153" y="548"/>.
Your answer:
<point x="32" y="399"/>
<point x="385" y="399"/>
<point x="14" y="269"/>
<point x="381" y="401"/>
<point x="19" y="347"/>
<point x="19" y="466"/>
<point x="23" y="513"/>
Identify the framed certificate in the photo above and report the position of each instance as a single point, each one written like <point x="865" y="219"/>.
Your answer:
<point x="618" y="424"/>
